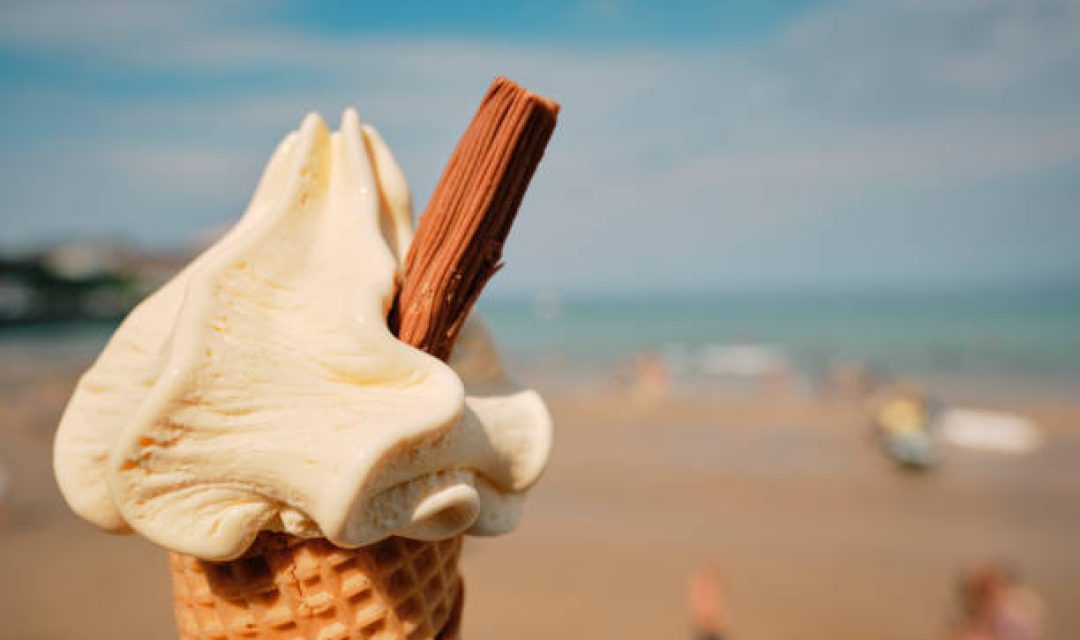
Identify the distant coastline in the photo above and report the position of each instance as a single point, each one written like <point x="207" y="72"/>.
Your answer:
<point x="72" y="296"/>
<point x="79" y="282"/>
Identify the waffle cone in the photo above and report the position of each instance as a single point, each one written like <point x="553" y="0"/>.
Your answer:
<point x="308" y="589"/>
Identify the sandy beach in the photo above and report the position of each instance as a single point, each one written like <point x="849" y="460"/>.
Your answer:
<point x="815" y="533"/>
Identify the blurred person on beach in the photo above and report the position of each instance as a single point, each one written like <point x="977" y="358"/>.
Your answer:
<point x="5" y="488"/>
<point x="849" y="381"/>
<point x="708" y="606"/>
<point x="904" y="417"/>
<point x="994" y="605"/>
<point x="652" y="380"/>
<point x="780" y="381"/>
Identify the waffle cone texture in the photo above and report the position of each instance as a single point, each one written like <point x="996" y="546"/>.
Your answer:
<point x="289" y="588"/>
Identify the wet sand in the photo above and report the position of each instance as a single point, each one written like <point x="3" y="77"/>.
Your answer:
<point x="815" y="534"/>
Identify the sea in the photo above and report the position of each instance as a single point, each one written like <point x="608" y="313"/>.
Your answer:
<point x="1028" y="339"/>
<point x="1009" y="339"/>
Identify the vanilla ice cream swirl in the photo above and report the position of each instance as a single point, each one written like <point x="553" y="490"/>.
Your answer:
<point x="260" y="389"/>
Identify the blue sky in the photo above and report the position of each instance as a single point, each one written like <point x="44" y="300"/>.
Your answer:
<point x="721" y="145"/>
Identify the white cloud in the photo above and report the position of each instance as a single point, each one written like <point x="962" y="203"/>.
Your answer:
<point x="667" y="162"/>
<point x="103" y="26"/>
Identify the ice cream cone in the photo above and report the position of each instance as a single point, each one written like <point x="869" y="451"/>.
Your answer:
<point x="308" y="589"/>
<point x="307" y="355"/>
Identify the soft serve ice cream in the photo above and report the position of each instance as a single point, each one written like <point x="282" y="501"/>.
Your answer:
<point x="261" y="389"/>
